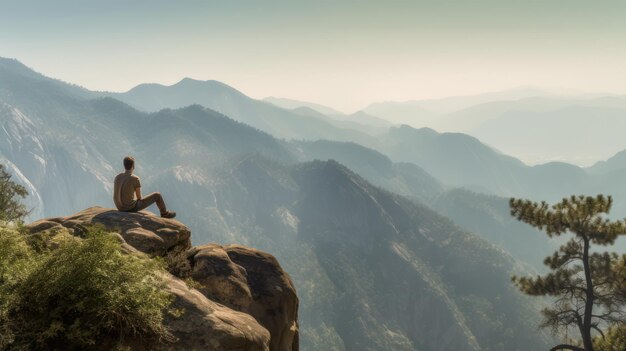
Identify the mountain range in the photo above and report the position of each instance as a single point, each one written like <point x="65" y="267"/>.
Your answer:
<point x="535" y="125"/>
<point x="396" y="238"/>
<point x="281" y="123"/>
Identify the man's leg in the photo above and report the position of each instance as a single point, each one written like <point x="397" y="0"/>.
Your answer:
<point x="149" y="200"/>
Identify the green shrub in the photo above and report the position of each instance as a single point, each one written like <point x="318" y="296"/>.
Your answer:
<point x="16" y="261"/>
<point x="82" y="291"/>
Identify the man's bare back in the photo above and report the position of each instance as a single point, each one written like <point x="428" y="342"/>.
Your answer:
<point x="127" y="192"/>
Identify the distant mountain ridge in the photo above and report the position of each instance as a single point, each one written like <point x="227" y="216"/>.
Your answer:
<point x="456" y="103"/>
<point x="558" y="125"/>
<point x="428" y="112"/>
<point x="293" y="104"/>
<point x="358" y="117"/>
<point x="220" y="97"/>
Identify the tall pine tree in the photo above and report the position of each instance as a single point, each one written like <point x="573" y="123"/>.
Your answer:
<point x="588" y="285"/>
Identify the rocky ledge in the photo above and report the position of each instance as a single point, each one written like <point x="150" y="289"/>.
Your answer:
<point x="244" y="300"/>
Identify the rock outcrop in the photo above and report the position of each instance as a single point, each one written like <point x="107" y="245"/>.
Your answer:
<point x="242" y="299"/>
<point x="142" y="230"/>
<point x="247" y="280"/>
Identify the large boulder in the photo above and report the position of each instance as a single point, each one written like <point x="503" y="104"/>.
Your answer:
<point x="242" y="300"/>
<point x="207" y="325"/>
<point x="220" y="278"/>
<point x="250" y="281"/>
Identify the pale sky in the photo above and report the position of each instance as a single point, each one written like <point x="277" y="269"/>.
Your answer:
<point x="344" y="54"/>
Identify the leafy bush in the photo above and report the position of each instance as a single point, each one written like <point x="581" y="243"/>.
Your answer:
<point x="82" y="291"/>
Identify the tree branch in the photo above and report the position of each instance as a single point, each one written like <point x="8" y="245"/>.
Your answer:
<point x="598" y="330"/>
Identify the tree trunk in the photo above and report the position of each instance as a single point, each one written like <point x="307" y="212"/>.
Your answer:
<point x="586" y="330"/>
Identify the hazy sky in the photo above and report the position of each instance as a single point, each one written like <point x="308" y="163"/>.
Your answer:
<point x="344" y="54"/>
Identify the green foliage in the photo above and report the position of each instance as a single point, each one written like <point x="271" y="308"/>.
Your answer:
<point x="16" y="261"/>
<point x="11" y="209"/>
<point x="580" y="215"/>
<point x="588" y="286"/>
<point x="613" y="340"/>
<point x="79" y="292"/>
<point x="192" y="283"/>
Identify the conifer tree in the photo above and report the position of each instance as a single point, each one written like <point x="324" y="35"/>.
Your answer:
<point x="588" y="286"/>
<point x="11" y="209"/>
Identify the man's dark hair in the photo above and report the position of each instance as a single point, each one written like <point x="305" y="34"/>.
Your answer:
<point x="129" y="162"/>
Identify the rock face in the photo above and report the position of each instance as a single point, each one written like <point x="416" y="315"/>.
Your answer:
<point x="251" y="281"/>
<point x="207" y="325"/>
<point x="244" y="301"/>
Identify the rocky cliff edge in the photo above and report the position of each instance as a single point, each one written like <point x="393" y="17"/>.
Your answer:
<point x="243" y="300"/>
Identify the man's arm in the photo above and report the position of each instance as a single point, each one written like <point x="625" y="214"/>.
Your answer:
<point x="137" y="188"/>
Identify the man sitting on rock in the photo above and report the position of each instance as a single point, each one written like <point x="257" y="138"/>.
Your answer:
<point x="127" y="192"/>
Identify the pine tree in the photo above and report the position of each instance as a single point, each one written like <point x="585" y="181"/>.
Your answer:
<point x="11" y="209"/>
<point x="588" y="286"/>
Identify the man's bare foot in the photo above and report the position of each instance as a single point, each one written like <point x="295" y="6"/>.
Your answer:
<point x="168" y="214"/>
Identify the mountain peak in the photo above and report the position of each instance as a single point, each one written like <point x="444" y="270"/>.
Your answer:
<point x="188" y="80"/>
<point x="11" y="61"/>
<point x="14" y="66"/>
<point x="8" y="60"/>
<point x="189" y="89"/>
